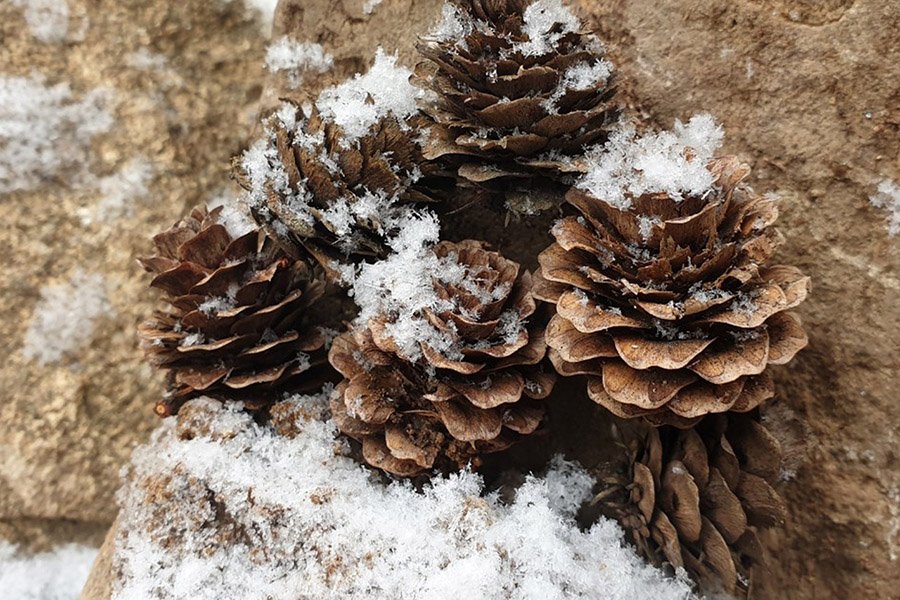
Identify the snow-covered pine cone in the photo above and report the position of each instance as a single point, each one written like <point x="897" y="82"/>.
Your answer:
<point x="313" y="188"/>
<point x="473" y="386"/>
<point x="668" y="303"/>
<point x="235" y="323"/>
<point x="696" y="498"/>
<point x="522" y="91"/>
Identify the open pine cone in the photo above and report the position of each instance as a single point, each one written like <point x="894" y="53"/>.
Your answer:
<point x="696" y="498"/>
<point x="522" y="92"/>
<point x="668" y="304"/>
<point x="236" y="322"/>
<point x="314" y="189"/>
<point x="446" y="406"/>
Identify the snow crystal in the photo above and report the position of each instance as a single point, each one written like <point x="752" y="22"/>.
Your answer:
<point x="673" y="162"/>
<point x="255" y="515"/>
<point x="578" y="77"/>
<point x="370" y="6"/>
<point x="55" y="575"/>
<point x="401" y="286"/>
<point x="235" y="215"/>
<point x="887" y="197"/>
<point x="453" y="26"/>
<point x="64" y="318"/>
<point x="545" y="23"/>
<point x="48" y="20"/>
<point x="358" y="103"/>
<point x="44" y="130"/>
<point x="119" y="192"/>
<point x="297" y="58"/>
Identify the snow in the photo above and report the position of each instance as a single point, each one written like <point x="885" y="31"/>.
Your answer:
<point x="146" y="60"/>
<point x="48" y="20"/>
<point x="119" y="193"/>
<point x="370" y="5"/>
<point x="887" y="197"/>
<point x="235" y="214"/>
<point x="297" y="58"/>
<point x="55" y="575"/>
<point x="674" y="162"/>
<point x="357" y="104"/>
<point x="580" y="76"/>
<point x="265" y="9"/>
<point x="545" y="22"/>
<point x="64" y="317"/>
<point x="401" y="288"/>
<point x="454" y="25"/>
<point x="250" y="514"/>
<point x="45" y="131"/>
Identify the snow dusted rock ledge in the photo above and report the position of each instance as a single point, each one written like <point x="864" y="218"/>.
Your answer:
<point x="217" y="506"/>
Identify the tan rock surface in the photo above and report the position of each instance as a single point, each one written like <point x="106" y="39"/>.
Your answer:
<point x="66" y="428"/>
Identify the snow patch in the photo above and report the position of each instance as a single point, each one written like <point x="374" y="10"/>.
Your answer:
<point x="370" y="5"/>
<point x="44" y="131"/>
<point x="64" y="318"/>
<point x="146" y="60"/>
<point x="357" y="104"/>
<point x="674" y="162"/>
<point x="55" y="575"/>
<point x="453" y="26"/>
<point x="119" y="193"/>
<point x="887" y="197"/>
<point x="578" y="77"/>
<point x="545" y="22"/>
<point x="235" y="214"/>
<point x="296" y="59"/>
<point x="304" y="520"/>
<point x="48" y="20"/>
<point x="401" y="286"/>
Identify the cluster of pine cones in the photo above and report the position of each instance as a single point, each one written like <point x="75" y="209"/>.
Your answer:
<point x="672" y="324"/>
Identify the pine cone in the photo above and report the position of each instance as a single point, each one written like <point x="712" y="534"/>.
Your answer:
<point x="445" y="407"/>
<point x="522" y="92"/>
<point x="667" y="303"/>
<point x="696" y="498"/>
<point x="236" y="321"/>
<point x="313" y="189"/>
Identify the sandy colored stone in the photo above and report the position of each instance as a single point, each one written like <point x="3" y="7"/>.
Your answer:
<point x="100" y="580"/>
<point x="67" y="428"/>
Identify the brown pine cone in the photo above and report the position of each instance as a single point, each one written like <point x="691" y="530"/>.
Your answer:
<point x="696" y="498"/>
<point x="445" y="407"/>
<point x="312" y="188"/>
<point x="522" y="91"/>
<point x="667" y="304"/>
<point x="236" y="320"/>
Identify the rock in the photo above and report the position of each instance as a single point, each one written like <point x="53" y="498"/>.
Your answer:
<point x="100" y="581"/>
<point x="185" y="77"/>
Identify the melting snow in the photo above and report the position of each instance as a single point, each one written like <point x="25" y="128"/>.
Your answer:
<point x="48" y="20"/>
<point x="64" y="318"/>
<point x="45" y="131"/>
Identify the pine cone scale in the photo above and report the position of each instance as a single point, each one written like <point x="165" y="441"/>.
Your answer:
<point x="235" y="323"/>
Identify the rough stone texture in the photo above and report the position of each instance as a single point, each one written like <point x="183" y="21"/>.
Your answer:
<point x="808" y="91"/>
<point x="67" y="428"/>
